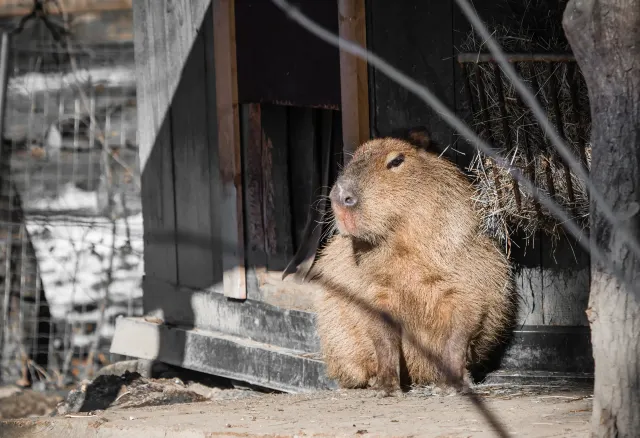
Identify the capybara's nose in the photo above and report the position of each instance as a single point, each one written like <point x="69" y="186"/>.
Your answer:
<point x="343" y="195"/>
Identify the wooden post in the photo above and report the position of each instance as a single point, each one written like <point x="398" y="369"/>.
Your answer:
<point x="353" y="77"/>
<point x="232" y="223"/>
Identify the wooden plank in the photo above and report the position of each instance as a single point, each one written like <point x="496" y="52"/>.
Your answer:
<point x="305" y="169"/>
<point x="415" y="37"/>
<point x="566" y="276"/>
<point x="354" y="82"/>
<point x="268" y="193"/>
<point x="540" y="348"/>
<point x="156" y="155"/>
<point x="212" y="148"/>
<point x="164" y="45"/>
<point x="334" y="138"/>
<point x="190" y="126"/>
<point x="525" y="260"/>
<point x="12" y="8"/>
<point x="276" y="197"/>
<point x="460" y="99"/>
<point x="295" y="67"/>
<point x="533" y="347"/>
<point x="232" y="223"/>
<point x="173" y="111"/>
<point x="251" y="124"/>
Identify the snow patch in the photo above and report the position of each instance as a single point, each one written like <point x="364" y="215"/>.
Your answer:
<point x="74" y="259"/>
<point x="34" y="82"/>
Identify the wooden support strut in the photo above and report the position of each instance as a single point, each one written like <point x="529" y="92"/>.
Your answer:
<point x="233" y="262"/>
<point x="353" y="77"/>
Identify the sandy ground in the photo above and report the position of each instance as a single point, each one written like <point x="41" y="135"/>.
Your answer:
<point x="525" y="411"/>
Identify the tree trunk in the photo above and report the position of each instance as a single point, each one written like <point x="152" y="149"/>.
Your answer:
<point x="605" y="38"/>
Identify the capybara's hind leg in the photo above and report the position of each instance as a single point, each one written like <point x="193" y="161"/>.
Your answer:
<point x="454" y="361"/>
<point x="348" y="351"/>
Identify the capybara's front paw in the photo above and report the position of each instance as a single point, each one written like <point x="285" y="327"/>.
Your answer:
<point x="386" y="385"/>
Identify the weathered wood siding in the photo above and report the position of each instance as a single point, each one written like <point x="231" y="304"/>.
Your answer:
<point x="178" y="145"/>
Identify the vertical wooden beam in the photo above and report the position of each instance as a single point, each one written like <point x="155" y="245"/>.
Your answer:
<point x="154" y="94"/>
<point x="354" y="85"/>
<point x="253" y="180"/>
<point x="276" y="191"/>
<point x="199" y="264"/>
<point x="229" y="147"/>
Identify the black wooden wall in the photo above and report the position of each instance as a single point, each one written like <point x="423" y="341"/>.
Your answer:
<point x="280" y="62"/>
<point x="289" y="90"/>
<point x="284" y="148"/>
<point x="422" y="38"/>
<point x="417" y="38"/>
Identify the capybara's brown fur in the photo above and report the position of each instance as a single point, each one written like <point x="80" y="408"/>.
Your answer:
<point x="409" y="243"/>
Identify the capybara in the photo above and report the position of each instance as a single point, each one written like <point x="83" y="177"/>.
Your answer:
<point x="408" y="244"/>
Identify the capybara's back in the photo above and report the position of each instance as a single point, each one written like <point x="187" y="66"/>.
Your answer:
<point x="408" y="246"/>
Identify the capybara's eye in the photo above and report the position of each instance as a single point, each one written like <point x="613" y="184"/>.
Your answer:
<point x="396" y="161"/>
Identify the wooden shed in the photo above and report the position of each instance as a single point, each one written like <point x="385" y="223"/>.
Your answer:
<point x="242" y="115"/>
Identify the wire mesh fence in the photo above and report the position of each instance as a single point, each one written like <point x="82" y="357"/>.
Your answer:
<point x="70" y="212"/>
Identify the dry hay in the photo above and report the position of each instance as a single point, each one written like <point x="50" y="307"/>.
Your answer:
<point x="530" y="150"/>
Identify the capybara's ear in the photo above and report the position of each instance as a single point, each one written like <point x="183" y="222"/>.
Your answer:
<point x="419" y="137"/>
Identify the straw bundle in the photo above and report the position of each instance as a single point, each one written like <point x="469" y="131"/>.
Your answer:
<point x="506" y="207"/>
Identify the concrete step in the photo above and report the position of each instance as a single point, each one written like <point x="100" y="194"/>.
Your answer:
<point x="221" y="354"/>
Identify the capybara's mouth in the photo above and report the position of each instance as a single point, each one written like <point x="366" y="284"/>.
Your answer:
<point x="345" y="220"/>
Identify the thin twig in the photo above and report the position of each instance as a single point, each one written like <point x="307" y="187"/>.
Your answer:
<point x="105" y="300"/>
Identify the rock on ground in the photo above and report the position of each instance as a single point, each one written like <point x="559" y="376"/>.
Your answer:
<point x="126" y="384"/>
<point x="16" y="402"/>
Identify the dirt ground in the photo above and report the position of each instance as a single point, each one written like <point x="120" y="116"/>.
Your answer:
<point x="526" y="411"/>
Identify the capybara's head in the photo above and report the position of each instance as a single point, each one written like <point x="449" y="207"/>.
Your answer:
<point x="385" y="182"/>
